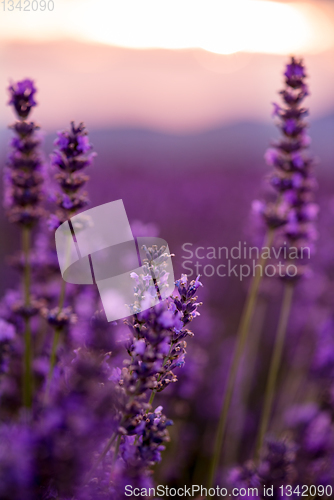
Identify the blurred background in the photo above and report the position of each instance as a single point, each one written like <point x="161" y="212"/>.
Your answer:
<point x="177" y="100"/>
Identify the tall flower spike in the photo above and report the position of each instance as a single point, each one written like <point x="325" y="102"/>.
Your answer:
<point x="295" y="184"/>
<point x="300" y="182"/>
<point x="293" y="178"/>
<point x="71" y="156"/>
<point x="23" y="177"/>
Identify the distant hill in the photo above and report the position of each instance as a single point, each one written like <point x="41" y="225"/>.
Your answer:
<point x="222" y="169"/>
<point x="234" y="145"/>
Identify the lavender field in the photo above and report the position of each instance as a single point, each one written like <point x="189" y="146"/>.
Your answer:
<point x="226" y="386"/>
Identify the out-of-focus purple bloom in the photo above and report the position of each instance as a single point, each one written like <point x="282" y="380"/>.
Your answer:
<point x="67" y="432"/>
<point x="7" y="336"/>
<point x="323" y="361"/>
<point x="22" y="97"/>
<point x="276" y="468"/>
<point x="7" y="331"/>
<point x="313" y="431"/>
<point x="59" y="317"/>
<point x="139" y="229"/>
<point x="295" y="73"/>
<point x="53" y="222"/>
<point x="16" y="462"/>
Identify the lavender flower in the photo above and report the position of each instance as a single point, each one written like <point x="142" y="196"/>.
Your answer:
<point x="70" y="158"/>
<point x="158" y="338"/>
<point x="23" y="174"/>
<point x="137" y="458"/>
<point x="293" y="180"/>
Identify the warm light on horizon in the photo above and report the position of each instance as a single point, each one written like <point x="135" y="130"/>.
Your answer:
<point x="218" y="26"/>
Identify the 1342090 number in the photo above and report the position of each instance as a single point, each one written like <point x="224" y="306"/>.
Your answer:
<point x="28" y="5"/>
<point x="307" y="491"/>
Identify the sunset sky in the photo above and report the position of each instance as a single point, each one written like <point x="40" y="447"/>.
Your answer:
<point x="176" y="65"/>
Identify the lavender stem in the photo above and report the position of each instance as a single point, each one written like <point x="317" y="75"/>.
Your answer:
<point x="252" y="353"/>
<point x="275" y="364"/>
<point x="27" y="373"/>
<point x="101" y="457"/>
<point x="153" y="393"/>
<point x="62" y="295"/>
<point x="55" y="342"/>
<point x="56" y="338"/>
<point x="242" y="336"/>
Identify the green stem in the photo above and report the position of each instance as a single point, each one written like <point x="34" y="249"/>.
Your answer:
<point x="55" y="342"/>
<point x="101" y="457"/>
<point x="62" y="295"/>
<point x="27" y="375"/>
<point x="27" y="361"/>
<point x="153" y="393"/>
<point x="118" y="442"/>
<point x="26" y="236"/>
<point x="242" y="335"/>
<point x="275" y="365"/>
<point x="109" y="443"/>
<point x="252" y="348"/>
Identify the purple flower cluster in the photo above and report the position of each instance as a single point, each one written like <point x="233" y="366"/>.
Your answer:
<point x="158" y="334"/>
<point x="71" y="157"/>
<point x="313" y="433"/>
<point x="293" y="209"/>
<point x="276" y="469"/>
<point x="23" y="174"/>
